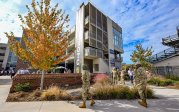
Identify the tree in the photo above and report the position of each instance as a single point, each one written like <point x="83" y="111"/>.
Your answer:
<point x="142" y="55"/>
<point x="45" y="37"/>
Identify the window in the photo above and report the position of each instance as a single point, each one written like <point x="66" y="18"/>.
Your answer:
<point x="117" y="39"/>
<point x="96" y="67"/>
<point x="3" y="48"/>
<point x="93" y="15"/>
<point x="92" y="31"/>
<point x="99" y="35"/>
<point x="2" y="54"/>
<point x="99" y="21"/>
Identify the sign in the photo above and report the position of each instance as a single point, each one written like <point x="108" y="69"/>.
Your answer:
<point x="111" y="51"/>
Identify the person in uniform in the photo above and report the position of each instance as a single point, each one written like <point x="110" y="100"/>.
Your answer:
<point x="122" y="76"/>
<point x="118" y="74"/>
<point x="86" y="87"/>
<point x="114" y="76"/>
<point x="140" y="83"/>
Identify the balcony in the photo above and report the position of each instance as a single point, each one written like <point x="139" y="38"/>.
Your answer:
<point x="90" y="52"/>
<point x="118" y="59"/>
<point x="86" y="20"/>
<point x="87" y="36"/>
<point x="99" y="53"/>
<point x="72" y="30"/>
<point x="72" y="56"/>
<point x="172" y="41"/>
<point x="166" y="54"/>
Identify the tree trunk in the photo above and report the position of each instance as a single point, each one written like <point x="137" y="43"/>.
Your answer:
<point x="42" y="80"/>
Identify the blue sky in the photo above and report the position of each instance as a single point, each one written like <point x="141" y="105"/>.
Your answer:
<point x="142" y="21"/>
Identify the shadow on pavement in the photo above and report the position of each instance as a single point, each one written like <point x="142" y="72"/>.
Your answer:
<point x="5" y="81"/>
<point x="155" y="105"/>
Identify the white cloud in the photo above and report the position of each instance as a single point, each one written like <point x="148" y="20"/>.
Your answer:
<point x="9" y="18"/>
<point x="149" y="20"/>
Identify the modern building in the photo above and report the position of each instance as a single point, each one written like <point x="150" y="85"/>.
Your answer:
<point x="3" y="48"/>
<point x="167" y="62"/>
<point x="10" y="60"/>
<point x="97" y="40"/>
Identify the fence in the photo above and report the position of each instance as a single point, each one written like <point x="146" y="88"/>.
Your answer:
<point x="166" y="70"/>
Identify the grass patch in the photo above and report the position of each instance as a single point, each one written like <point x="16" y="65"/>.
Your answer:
<point x="55" y="93"/>
<point x="104" y="92"/>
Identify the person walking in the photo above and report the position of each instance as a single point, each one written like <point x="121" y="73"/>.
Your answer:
<point x="131" y="75"/>
<point x="12" y="73"/>
<point x="141" y="83"/>
<point x="118" y="74"/>
<point x="122" y="76"/>
<point x="114" y="76"/>
<point x="86" y="87"/>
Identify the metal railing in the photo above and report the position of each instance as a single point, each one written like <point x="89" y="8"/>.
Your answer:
<point x="99" y="53"/>
<point x="87" y="20"/>
<point x="170" y="38"/>
<point x="92" y="34"/>
<point x="86" y="35"/>
<point x="90" y="52"/>
<point x="164" y="54"/>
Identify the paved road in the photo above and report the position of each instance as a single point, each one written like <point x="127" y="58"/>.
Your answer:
<point x="168" y="102"/>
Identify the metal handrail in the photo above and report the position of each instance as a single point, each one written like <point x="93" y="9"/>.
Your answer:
<point x="163" y="54"/>
<point x="170" y="37"/>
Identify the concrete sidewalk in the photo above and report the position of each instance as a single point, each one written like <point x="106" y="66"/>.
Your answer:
<point x="168" y="102"/>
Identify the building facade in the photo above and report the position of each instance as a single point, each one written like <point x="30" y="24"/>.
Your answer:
<point x="3" y="48"/>
<point x="10" y="59"/>
<point x="97" y="41"/>
<point x="167" y="62"/>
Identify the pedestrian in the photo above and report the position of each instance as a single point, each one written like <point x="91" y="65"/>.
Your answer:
<point x="122" y="81"/>
<point x="26" y="71"/>
<point x="114" y="76"/>
<point x="1" y="72"/>
<point x="141" y="83"/>
<point x="68" y="71"/>
<point x="118" y="74"/>
<point x="12" y="73"/>
<point x="86" y="87"/>
<point x="131" y="75"/>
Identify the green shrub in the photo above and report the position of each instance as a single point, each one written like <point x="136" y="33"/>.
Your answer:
<point x="23" y="87"/>
<point x="159" y="81"/>
<point x="172" y="77"/>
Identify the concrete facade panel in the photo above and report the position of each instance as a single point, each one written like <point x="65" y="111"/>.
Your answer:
<point x="174" y="61"/>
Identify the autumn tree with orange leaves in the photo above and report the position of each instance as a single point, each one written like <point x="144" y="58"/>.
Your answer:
<point x="45" y="36"/>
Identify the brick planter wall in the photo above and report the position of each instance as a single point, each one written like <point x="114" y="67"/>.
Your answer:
<point x="61" y="80"/>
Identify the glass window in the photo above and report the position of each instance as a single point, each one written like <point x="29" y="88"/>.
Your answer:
<point x="117" y="39"/>
<point x="96" y="67"/>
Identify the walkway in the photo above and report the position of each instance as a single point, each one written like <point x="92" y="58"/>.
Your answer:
<point x="168" y="102"/>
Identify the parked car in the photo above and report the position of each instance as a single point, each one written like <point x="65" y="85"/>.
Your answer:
<point x="59" y="69"/>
